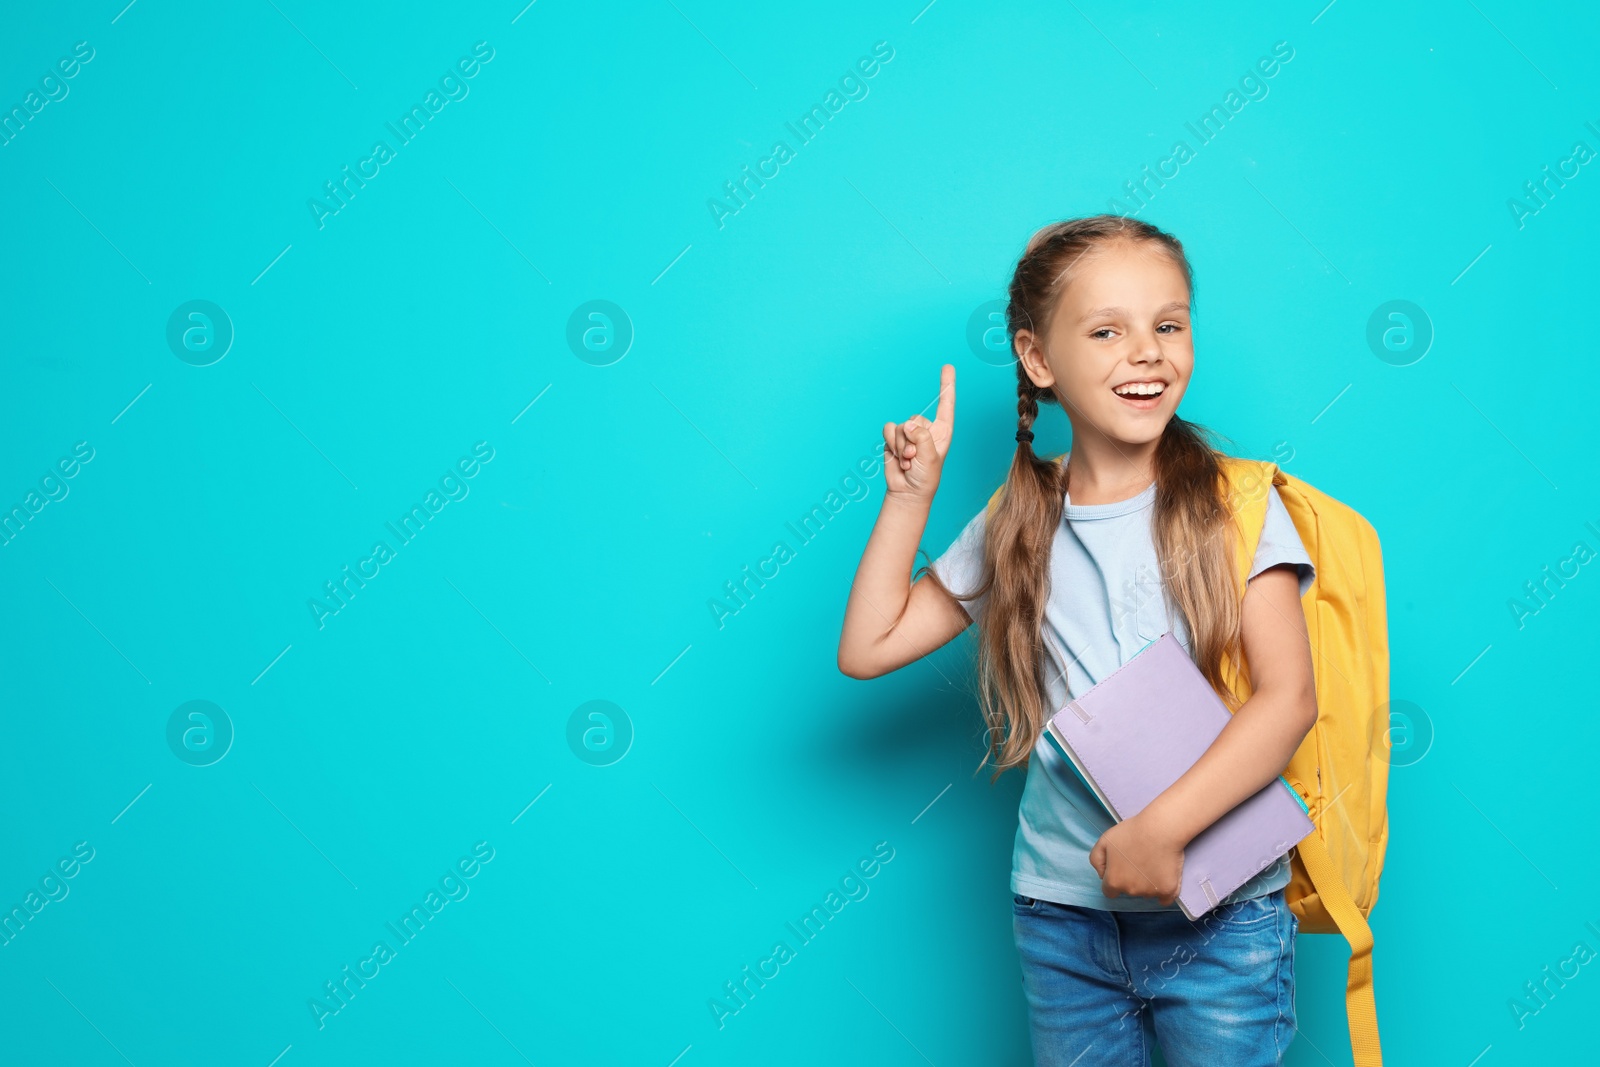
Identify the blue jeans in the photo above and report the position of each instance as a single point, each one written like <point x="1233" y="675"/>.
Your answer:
<point x="1104" y="986"/>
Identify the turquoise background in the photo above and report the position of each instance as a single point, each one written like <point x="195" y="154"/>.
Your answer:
<point x="369" y="755"/>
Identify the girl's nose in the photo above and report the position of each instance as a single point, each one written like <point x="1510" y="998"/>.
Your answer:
<point x="1148" y="349"/>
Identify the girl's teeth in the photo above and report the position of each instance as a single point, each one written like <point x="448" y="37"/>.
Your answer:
<point x="1140" y="390"/>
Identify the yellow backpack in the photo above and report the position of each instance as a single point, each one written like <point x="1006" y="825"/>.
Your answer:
<point x="1341" y="769"/>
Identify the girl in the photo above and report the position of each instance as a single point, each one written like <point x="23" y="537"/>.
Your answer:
<point x="1085" y="559"/>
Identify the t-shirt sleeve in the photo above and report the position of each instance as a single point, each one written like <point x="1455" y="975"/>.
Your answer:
<point x="1280" y="543"/>
<point x="960" y="567"/>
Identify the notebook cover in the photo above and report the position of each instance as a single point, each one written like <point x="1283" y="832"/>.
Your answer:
<point x="1136" y="732"/>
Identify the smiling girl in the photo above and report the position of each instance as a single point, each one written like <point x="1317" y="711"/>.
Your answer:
<point x="1081" y="562"/>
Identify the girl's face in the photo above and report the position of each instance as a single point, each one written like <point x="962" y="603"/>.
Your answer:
<point x="1122" y="320"/>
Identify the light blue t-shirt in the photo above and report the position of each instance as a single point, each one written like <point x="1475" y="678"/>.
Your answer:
<point x="1106" y="603"/>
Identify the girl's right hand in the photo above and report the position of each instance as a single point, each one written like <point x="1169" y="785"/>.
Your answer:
<point x="914" y="450"/>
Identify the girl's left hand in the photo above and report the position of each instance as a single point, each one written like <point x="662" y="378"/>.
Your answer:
<point x="1140" y="858"/>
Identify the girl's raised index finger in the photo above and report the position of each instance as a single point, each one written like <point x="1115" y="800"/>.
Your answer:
<point x="946" y="412"/>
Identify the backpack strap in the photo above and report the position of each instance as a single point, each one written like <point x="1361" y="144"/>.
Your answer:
<point x="1361" y="1009"/>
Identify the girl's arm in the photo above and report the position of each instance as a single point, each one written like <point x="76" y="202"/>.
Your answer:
<point x="888" y="621"/>
<point x="1143" y="855"/>
<point x="1258" y="742"/>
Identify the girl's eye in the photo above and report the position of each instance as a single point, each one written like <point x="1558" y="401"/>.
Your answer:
<point x="1102" y="330"/>
<point x="1175" y="326"/>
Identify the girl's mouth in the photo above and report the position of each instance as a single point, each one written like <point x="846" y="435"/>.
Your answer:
<point x="1142" y="396"/>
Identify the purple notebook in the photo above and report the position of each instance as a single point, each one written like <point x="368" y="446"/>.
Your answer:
<point x="1136" y="732"/>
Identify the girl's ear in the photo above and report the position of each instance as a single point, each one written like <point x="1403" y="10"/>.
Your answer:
<point x="1031" y="355"/>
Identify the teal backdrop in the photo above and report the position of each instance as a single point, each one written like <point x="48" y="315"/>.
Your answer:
<point x="438" y="440"/>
